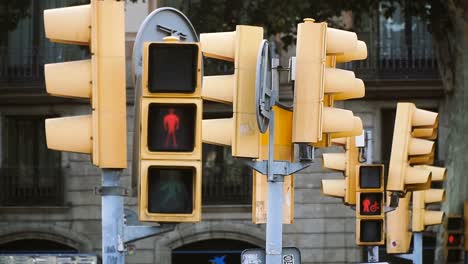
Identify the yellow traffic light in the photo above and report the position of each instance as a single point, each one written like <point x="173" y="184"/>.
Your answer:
<point x="284" y="150"/>
<point x="370" y="213"/>
<point x="411" y="145"/>
<point x="170" y="114"/>
<point x="454" y="237"/>
<point x="423" y="217"/>
<point x="345" y="162"/>
<point x="318" y="84"/>
<point x="241" y="132"/>
<point x="102" y="134"/>
<point x="398" y="228"/>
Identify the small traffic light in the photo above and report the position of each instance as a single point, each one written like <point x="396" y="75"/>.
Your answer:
<point x="169" y="142"/>
<point x="345" y="162"/>
<point x="318" y="84"/>
<point x="283" y="150"/>
<point x="100" y="25"/>
<point x="423" y="217"/>
<point x="412" y="145"/>
<point x="398" y="226"/>
<point x="370" y="213"/>
<point x="241" y="131"/>
<point x="454" y="239"/>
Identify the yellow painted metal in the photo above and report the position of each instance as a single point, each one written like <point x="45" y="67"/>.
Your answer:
<point x="194" y="216"/>
<point x="284" y="150"/>
<point x="217" y="131"/>
<point x="345" y="162"/>
<point x="100" y="25"/>
<point x="309" y="84"/>
<point x="69" y="79"/>
<point x="437" y="173"/>
<point x="407" y="149"/>
<point x="423" y="217"/>
<point x="170" y="159"/>
<point x="145" y="74"/>
<point x="218" y="88"/>
<point x="360" y="53"/>
<point x="397" y="226"/>
<point x="318" y="83"/>
<point x="357" y="130"/>
<point x="146" y="154"/>
<point x="334" y="188"/>
<point x="69" y="25"/>
<point x="337" y="120"/>
<point x="69" y="133"/>
<point x="359" y="216"/>
<point x="240" y="46"/>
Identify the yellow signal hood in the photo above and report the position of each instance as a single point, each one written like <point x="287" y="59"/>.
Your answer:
<point x="68" y="25"/>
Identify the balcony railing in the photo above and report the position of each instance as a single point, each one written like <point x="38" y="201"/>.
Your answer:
<point x="396" y="62"/>
<point x="225" y="180"/>
<point x="26" y="65"/>
<point x="31" y="186"/>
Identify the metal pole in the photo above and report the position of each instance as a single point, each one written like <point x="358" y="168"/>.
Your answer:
<point x="112" y="218"/>
<point x="274" y="223"/>
<point x="417" y="248"/>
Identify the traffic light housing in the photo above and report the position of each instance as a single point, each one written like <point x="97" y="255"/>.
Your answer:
<point x="241" y="131"/>
<point x="423" y="217"/>
<point x="169" y="147"/>
<point x="283" y="150"/>
<point x="397" y="226"/>
<point x="345" y="162"/>
<point x="454" y="239"/>
<point x="414" y="129"/>
<point x="370" y="213"/>
<point x="99" y="25"/>
<point x="317" y="86"/>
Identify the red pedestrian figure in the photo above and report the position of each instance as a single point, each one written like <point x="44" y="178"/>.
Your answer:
<point x="366" y="203"/>
<point x="171" y="125"/>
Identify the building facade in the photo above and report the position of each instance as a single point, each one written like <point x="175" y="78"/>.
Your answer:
<point x="47" y="199"/>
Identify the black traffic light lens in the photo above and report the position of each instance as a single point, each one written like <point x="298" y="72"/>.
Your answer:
<point x="371" y="230"/>
<point x="454" y="223"/>
<point x="454" y="255"/>
<point x="172" y="68"/>
<point x="171" y="127"/>
<point x="170" y="190"/>
<point x="370" y="203"/>
<point x="370" y="177"/>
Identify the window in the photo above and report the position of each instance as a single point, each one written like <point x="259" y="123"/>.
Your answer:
<point x="226" y="180"/>
<point x="24" y="49"/>
<point x="30" y="173"/>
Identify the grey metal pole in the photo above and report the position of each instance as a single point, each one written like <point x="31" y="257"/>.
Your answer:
<point x="112" y="218"/>
<point x="274" y="223"/>
<point x="417" y="248"/>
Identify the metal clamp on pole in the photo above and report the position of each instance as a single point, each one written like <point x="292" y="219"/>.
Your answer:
<point x="111" y="190"/>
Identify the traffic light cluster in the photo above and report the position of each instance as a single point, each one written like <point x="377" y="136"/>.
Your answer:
<point x="410" y="176"/>
<point x="454" y="239"/>
<point x="318" y="84"/>
<point x="103" y="133"/>
<point x="170" y="138"/>
<point x="241" y="131"/>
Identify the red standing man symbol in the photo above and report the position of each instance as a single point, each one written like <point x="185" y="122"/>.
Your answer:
<point x="171" y="125"/>
<point x="368" y="208"/>
<point x="366" y="203"/>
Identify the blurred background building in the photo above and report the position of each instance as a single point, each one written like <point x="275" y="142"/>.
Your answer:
<point x="47" y="200"/>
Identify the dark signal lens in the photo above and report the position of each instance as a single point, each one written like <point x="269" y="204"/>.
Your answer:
<point x="171" y="127"/>
<point x="170" y="190"/>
